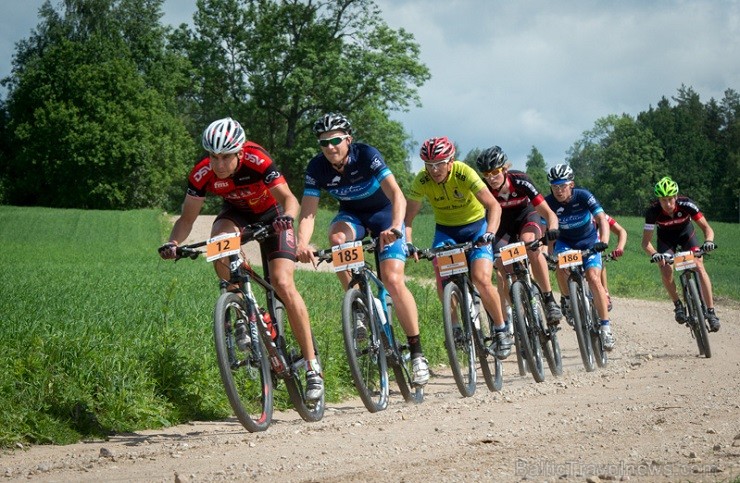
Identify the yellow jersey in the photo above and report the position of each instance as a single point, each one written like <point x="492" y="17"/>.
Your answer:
<point x="453" y="201"/>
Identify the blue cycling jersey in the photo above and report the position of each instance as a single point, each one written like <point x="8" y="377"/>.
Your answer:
<point x="575" y="217"/>
<point x="358" y="187"/>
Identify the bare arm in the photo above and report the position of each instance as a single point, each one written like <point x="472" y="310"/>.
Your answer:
<point x="603" y="225"/>
<point x="412" y="209"/>
<point x="493" y="209"/>
<point x="184" y="225"/>
<point x="704" y="225"/>
<point x="621" y="233"/>
<point x="306" y="223"/>
<point x="550" y="217"/>
<point x="286" y="198"/>
<point x="647" y="245"/>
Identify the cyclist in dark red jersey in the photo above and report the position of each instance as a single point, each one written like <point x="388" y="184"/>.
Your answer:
<point x="672" y="216"/>
<point x="253" y="190"/>
<point x="522" y="208"/>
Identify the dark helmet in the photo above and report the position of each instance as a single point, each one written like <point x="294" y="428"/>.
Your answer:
<point x="490" y="159"/>
<point x="437" y="149"/>
<point x="332" y="121"/>
<point x="560" y="173"/>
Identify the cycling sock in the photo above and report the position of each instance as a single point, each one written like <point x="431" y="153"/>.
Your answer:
<point x="604" y="322"/>
<point x="414" y="345"/>
<point x="548" y="297"/>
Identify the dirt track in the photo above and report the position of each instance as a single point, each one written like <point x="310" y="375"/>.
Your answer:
<point x="658" y="412"/>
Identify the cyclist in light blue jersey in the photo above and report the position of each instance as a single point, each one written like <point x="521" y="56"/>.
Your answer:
<point x="577" y="209"/>
<point x="370" y="203"/>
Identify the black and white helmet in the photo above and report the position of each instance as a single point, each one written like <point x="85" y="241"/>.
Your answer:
<point x="490" y="159"/>
<point x="224" y="136"/>
<point x="332" y="121"/>
<point x="560" y="173"/>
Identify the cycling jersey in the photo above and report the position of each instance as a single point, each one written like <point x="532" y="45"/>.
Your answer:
<point x="247" y="189"/>
<point x="453" y="201"/>
<point x="575" y="218"/>
<point x="517" y="206"/>
<point x="358" y="187"/>
<point x="674" y="229"/>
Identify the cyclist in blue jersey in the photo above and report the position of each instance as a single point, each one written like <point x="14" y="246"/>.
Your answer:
<point x="577" y="210"/>
<point x="370" y="203"/>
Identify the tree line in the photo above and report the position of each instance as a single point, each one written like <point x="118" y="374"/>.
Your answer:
<point x="105" y="105"/>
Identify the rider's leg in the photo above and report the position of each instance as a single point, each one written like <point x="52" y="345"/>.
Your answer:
<point x="593" y="276"/>
<point x="281" y="277"/>
<point x="481" y="271"/>
<point x="341" y="232"/>
<point x="392" y="271"/>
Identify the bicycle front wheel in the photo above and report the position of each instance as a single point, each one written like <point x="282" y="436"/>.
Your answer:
<point x="696" y="316"/>
<point x="581" y="324"/>
<point x="365" y="352"/>
<point x="526" y="330"/>
<point x="490" y="365"/>
<point x="548" y="336"/>
<point x="245" y="374"/>
<point x="458" y="338"/>
<point x="597" y="344"/>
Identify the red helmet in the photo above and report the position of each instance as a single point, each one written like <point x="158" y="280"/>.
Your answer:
<point x="437" y="149"/>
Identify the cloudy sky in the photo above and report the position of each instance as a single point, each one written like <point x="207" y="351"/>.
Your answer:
<point x="529" y="73"/>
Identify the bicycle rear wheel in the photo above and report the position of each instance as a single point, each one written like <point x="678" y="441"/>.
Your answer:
<point x="458" y="338"/>
<point x="245" y="375"/>
<point x="696" y="317"/>
<point x="490" y="365"/>
<point x="581" y="324"/>
<point x="310" y="411"/>
<point x="525" y="327"/>
<point x="365" y="353"/>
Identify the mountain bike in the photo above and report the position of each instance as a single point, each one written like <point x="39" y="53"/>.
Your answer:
<point x="584" y="316"/>
<point x="696" y="308"/>
<point x="368" y="328"/>
<point x="533" y="336"/>
<point x="254" y="352"/>
<point x="468" y="326"/>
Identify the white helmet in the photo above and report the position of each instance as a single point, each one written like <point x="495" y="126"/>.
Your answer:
<point x="224" y="136"/>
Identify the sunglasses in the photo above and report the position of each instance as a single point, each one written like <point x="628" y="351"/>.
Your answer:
<point x="437" y="165"/>
<point x="492" y="173"/>
<point x="333" y="141"/>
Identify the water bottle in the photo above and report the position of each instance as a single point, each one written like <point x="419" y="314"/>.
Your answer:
<point x="381" y="313"/>
<point x="240" y="334"/>
<point x="268" y="323"/>
<point x="474" y="309"/>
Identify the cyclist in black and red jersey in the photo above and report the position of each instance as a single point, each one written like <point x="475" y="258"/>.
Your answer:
<point x="522" y="208"/>
<point x="672" y="215"/>
<point x="243" y="174"/>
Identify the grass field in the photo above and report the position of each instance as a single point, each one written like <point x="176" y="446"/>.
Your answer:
<point x="99" y="335"/>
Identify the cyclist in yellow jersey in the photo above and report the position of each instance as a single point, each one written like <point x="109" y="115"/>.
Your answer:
<point x="464" y="210"/>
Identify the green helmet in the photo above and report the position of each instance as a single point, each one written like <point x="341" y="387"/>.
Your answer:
<point x="666" y="187"/>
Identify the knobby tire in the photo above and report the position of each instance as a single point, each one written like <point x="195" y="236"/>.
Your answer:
<point x="461" y="352"/>
<point x="526" y="330"/>
<point x="490" y="365"/>
<point x="696" y="314"/>
<point x="581" y="325"/>
<point x="245" y="375"/>
<point x="366" y="357"/>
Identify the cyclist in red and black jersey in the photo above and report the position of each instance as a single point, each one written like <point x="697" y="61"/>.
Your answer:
<point x="253" y="190"/>
<point x="522" y="208"/>
<point x="672" y="215"/>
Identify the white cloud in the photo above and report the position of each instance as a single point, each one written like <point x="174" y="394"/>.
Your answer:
<point x="532" y="72"/>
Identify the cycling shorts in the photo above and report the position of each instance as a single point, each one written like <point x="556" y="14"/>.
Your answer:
<point x="466" y="233"/>
<point x="372" y="224"/>
<point x="281" y="245"/>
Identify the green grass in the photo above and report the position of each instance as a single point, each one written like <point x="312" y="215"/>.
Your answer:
<point x="100" y="335"/>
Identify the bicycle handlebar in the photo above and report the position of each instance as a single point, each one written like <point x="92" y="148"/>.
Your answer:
<point x="668" y="257"/>
<point x="368" y="245"/>
<point x="254" y="231"/>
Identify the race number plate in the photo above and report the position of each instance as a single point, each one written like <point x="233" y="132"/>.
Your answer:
<point x="570" y="258"/>
<point x="347" y="256"/>
<point x="683" y="261"/>
<point x="223" y="245"/>
<point x="451" y="262"/>
<point x="512" y="253"/>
